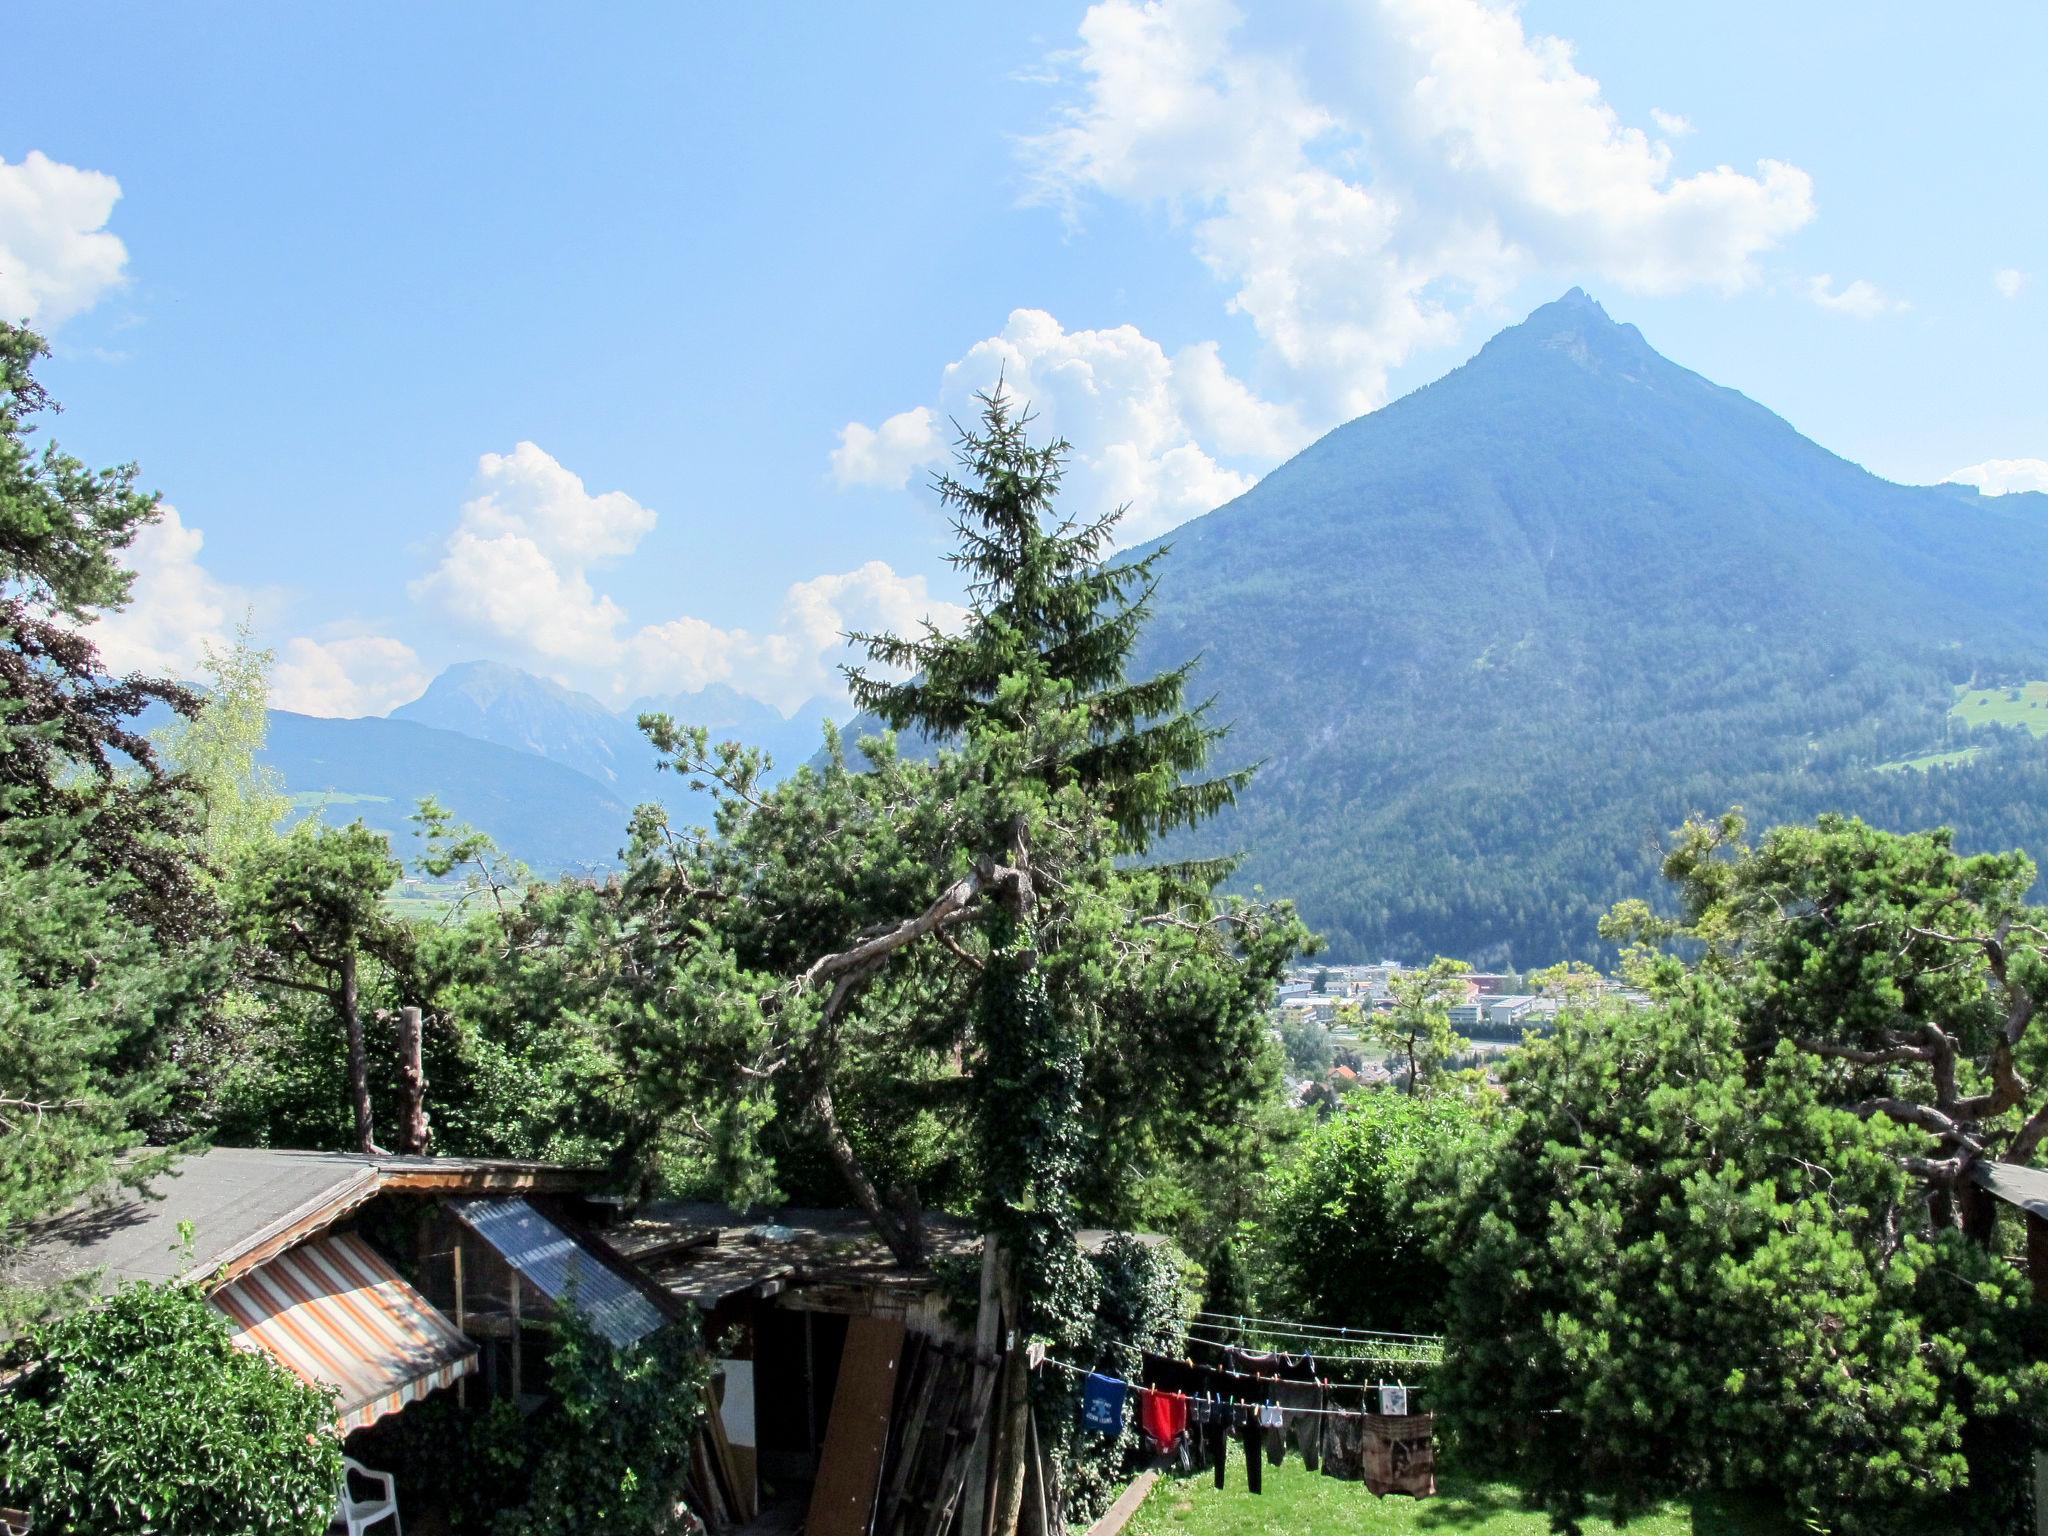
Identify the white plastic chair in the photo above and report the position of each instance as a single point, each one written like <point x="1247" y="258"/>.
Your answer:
<point x="356" y="1515"/>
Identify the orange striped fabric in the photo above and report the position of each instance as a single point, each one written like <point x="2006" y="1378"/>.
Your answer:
<point x="335" y="1314"/>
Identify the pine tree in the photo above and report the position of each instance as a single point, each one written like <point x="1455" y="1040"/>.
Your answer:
<point x="1038" y="677"/>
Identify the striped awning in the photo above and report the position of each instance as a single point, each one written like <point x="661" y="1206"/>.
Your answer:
<point x="335" y="1314"/>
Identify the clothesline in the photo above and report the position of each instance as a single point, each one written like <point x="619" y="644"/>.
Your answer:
<point x="1132" y="1386"/>
<point x="1291" y="1325"/>
<point x="1320" y="1362"/>
<point x="1391" y="1352"/>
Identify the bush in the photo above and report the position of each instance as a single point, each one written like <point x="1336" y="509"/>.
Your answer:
<point x="615" y="1443"/>
<point x="1348" y="1240"/>
<point x="139" y="1415"/>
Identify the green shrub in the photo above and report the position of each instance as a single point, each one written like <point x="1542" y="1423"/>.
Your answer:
<point x="139" y="1415"/>
<point x="1349" y="1238"/>
<point x="614" y="1446"/>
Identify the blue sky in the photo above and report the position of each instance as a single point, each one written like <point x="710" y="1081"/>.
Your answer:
<point x="618" y="349"/>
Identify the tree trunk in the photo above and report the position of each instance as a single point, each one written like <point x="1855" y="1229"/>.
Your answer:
<point x="412" y="1085"/>
<point x="903" y="1231"/>
<point x="1979" y="1212"/>
<point x="358" y="1057"/>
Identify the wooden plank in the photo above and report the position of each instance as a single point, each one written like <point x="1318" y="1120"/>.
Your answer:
<point x="987" y="1324"/>
<point x="850" y="1469"/>
<point x="1118" y="1515"/>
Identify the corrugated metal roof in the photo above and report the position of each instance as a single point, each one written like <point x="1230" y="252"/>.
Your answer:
<point x="562" y="1268"/>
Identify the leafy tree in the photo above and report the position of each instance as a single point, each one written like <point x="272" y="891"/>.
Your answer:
<point x="309" y="908"/>
<point x="62" y="525"/>
<point x="1418" y="1026"/>
<point x="1913" y="972"/>
<point x="215" y="750"/>
<point x="1348" y="1231"/>
<point x="139" y="1415"/>
<point x="91" y="1002"/>
<point x="969" y="943"/>
<point x="106" y="938"/>
<point x="1678" y="1266"/>
<point x="71" y="749"/>
<point x="1306" y="1043"/>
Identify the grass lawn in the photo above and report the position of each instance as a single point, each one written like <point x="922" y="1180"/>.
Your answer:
<point x="1296" y="1500"/>
<point x="1930" y="760"/>
<point x="1996" y="706"/>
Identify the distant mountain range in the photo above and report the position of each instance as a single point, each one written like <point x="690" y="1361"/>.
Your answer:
<point x="1490" y="644"/>
<point x="551" y="774"/>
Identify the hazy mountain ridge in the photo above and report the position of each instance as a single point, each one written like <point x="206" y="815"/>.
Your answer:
<point x="550" y="773"/>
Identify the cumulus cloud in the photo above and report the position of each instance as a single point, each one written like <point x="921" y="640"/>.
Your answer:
<point x="523" y="562"/>
<point x="57" y="257"/>
<point x="886" y="456"/>
<point x="1149" y="430"/>
<point x="352" y="676"/>
<point x="2010" y="282"/>
<point x="176" y="609"/>
<point x="1675" y="124"/>
<point x="1862" y="299"/>
<point x="518" y="563"/>
<point x="798" y="659"/>
<point x="1996" y="477"/>
<point x="1441" y="154"/>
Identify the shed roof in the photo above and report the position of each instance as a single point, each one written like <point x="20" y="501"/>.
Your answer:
<point x="705" y="1252"/>
<point x="2026" y="1188"/>
<point x="244" y="1204"/>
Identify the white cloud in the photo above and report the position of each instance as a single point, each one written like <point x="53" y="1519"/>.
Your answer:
<point x="57" y="257"/>
<point x="178" y="610"/>
<point x="520" y="565"/>
<point x="1995" y="477"/>
<point x="177" y="607"/>
<point x="797" y="660"/>
<point x="1676" y="124"/>
<point x="1148" y="430"/>
<point x="351" y="676"/>
<point x="1862" y="299"/>
<point x="2010" y="282"/>
<point x="1441" y="155"/>
<point x="519" y="559"/>
<point x="887" y="455"/>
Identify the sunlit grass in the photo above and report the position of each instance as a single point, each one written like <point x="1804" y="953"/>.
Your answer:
<point x="1296" y="1501"/>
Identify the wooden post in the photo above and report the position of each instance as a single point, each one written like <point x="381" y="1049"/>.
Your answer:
<point x="413" y="1131"/>
<point x="988" y="1322"/>
<point x="2037" y="1255"/>
<point x="461" y="1324"/>
<point x="517" y="1340"/>
<point x="1013" y="1411"/>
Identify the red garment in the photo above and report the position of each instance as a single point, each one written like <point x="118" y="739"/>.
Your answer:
<point x="1163" y="1416"/>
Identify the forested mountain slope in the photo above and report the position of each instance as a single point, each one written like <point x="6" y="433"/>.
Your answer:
<point x="1494" y="640"/>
